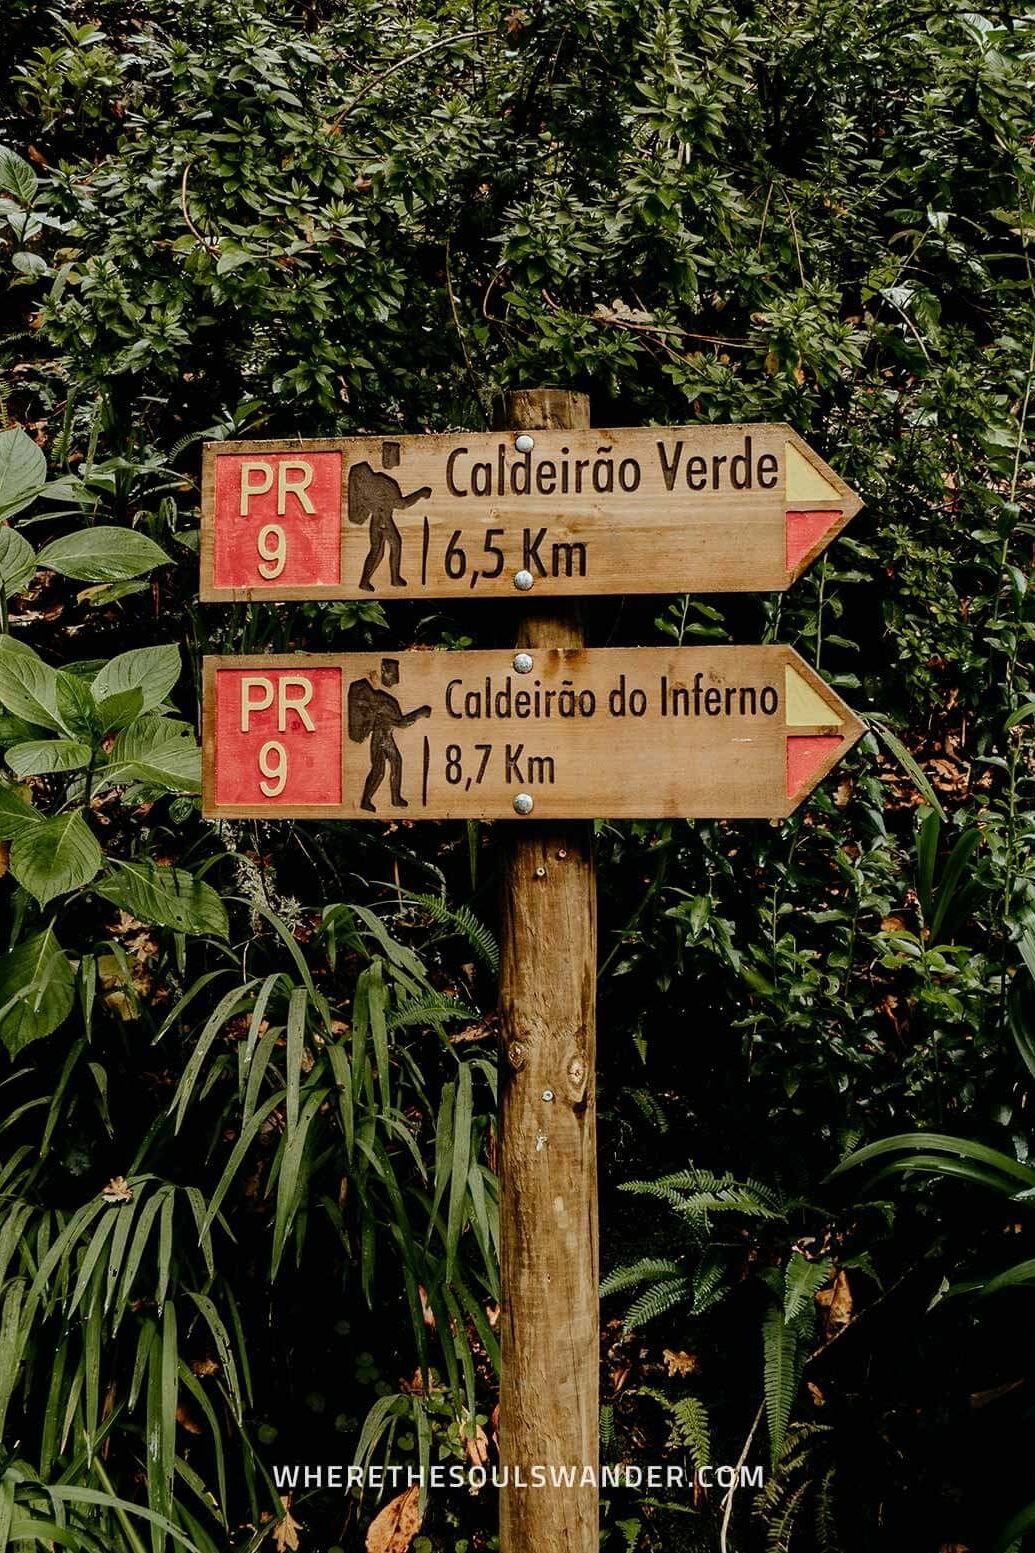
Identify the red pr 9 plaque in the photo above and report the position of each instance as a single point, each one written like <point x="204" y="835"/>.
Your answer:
<point x="277" y="738"/>
<point x="278" y="521"/>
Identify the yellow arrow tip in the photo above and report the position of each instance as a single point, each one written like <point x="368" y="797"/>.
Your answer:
<point x="805" y="707"/>
<point x="805" y="483"/>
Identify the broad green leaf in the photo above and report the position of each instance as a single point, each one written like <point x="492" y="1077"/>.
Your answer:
<point x="30" y="264"/>
<point x="37" y="756"/>
<point x="28" y="686"/>
<point x="170" y="897"/>
<point x="15" y="730"/>
<point x="23" y="469"/>
<point x="102" y="555"/>
<point x="76" y="706"/>
<point x="58" y="855"/>
<point x="17" y="176"/>
<point x="17" y="561"/>
<point x="38" y="983"/>
<point x="158" y="751"/>
<point x="101" y="593"/>
<point x="151" y="670"/>
<point x="16" y="811"/>
<point x="119" y="710"/>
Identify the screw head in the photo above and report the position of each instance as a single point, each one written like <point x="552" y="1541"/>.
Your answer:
<point x="547" y="1094"/>
<point x="524" y="803"/>
<point x="523" y="663"/>
<point x="524" y="443"/>
<point x="523" y="581"/>
<point x="540" y="872"/>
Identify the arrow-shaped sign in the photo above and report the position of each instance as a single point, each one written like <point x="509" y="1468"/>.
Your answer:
<point x="665" y="509"/>
<point x="705" y="732"/>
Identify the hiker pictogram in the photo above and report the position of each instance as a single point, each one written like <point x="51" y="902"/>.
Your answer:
<point x="373" y="498"/>
<point x="375" y="715"/>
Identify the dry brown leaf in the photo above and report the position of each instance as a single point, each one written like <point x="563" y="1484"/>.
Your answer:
<point x="119" y="1004"/>
<point x="835" y="1303"/>
<point x="483" y="1031"/>
<point x="619" y="1377"/>
<point x="186" y="1420"/>
<point x="117" y="1190"/>
<point x="679" y="1363"/>
<point x="817" y="1396"/>
<point x="476" y="1445"/>
<point x="398" y="1523"/>
<point x="204" y="1367"/>
<point x="515" y="22"/>
<point x="5" y="857"/>
<point x="429" y="1314"/>
<point x="285" y="1533"/>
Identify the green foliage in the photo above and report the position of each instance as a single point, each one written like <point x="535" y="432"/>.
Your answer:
<point x="248" y="217"/>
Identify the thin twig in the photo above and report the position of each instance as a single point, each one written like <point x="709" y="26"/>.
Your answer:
<point x="443" y="43"/>
<point x="202" y="239"/>
<point x="765" y="217"/>
<point x="491" y="317"/>
<point x="456" y="315"/>
<point x="728" y="1501"/>
<point x="794" y="234"/>
<point x="629" y="323"/>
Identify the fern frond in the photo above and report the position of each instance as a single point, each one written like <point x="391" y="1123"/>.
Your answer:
<point x="693" y="1192"/>
<point x="650" y="1107"/>
<point x="607" y="1427"/>
<point x="631" y="1273"/>
<point x="630" y="1530"/>
<point x="709" y="1288"/>
<point x="658" y="1189"/>
<point x="692" y="1429"/>
<point x="778" y="1537"/>
<point x="784" y="1360"/>
<point x="802" y="1279"/>
<point x="656" y="1300"/>
<point x="688" y="1420"/>
<point x="428" y="1011"/>
<point x="827" y="1539"/>
<point x="463" y="922"/>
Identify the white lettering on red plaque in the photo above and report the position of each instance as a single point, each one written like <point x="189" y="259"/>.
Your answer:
<point x="278" y="737"/>
<point x="278" y="520"/>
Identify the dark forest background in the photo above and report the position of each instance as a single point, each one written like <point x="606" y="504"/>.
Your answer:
<point x="246" y="1149"/>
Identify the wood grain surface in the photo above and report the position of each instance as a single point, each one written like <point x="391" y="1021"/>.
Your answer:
<point x="704" y="509"/>
<point x="550" y="1275"/>
<point x="593" y="733"/>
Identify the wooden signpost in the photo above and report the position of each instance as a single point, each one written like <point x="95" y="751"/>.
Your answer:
<point x="548" y="735"/>
<point x="704" y="509"/>
<point x="577" y="733"/>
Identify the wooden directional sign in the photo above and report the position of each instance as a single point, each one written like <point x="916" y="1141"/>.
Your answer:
<point x="707" y="732"/>
<point x="667" y="509"/>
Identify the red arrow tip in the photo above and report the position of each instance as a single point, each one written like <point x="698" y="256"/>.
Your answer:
<point x="805" y="529"/>
<point x="806" y="754"/>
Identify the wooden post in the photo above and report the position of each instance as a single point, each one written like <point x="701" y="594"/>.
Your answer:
<point x="549" y="1389"/>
